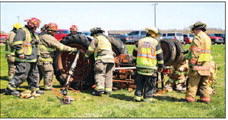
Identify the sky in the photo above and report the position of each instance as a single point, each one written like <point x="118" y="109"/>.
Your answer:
<point x="114" y="15"/>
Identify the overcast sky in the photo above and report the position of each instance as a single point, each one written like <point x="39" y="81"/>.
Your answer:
<point x="114" y="15"/>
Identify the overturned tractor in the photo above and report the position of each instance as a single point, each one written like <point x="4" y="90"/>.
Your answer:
<point x="125" y="71"/>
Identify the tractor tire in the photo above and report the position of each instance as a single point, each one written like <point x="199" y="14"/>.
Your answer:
<point x="179" y="52"/>
<point x="117" y="46"/>
<point x="84" y="71"/>
<point x="169" y="51"/>
<point x="63" y="61"/>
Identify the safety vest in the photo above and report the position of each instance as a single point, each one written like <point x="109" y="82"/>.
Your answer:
<point x="103" y="46"/>
<point x="146" y="55"/>
<point x="26" y="46"/>
<point x="205" y="52"/>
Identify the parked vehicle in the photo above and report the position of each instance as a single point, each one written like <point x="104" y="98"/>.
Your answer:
<point x="87" y="34"/>
<point x="222" y="36"/>
<point x="61" y="33"/>
<point x="175" y="36"/>
<point x="215" y="39"/>
<point x="3" y="38"/>
<point x="124" y="38"/>
<point x="134" y="36"/>
<point x="188" y="38"/>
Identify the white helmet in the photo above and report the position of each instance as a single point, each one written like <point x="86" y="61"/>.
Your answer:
<point x="153" y="29"/>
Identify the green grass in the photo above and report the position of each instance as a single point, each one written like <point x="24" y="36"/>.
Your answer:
<point x="118" y="105"/>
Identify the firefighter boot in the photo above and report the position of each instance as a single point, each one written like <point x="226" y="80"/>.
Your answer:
<point x="12" y="92"/>
<point x="97" y="93"/>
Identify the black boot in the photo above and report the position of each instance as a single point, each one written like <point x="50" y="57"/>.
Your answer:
<point x="97" y="93"/>
<point x="12" y="92"/>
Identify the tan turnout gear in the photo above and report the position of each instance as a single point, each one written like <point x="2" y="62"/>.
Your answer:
<point x="47" y="46"/>
<point x="200" y="64"/>
<point x="104" y="60"/>
<point x="178" y="76"/>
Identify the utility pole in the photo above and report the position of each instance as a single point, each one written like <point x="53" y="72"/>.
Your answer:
<point x="18" y="18"/>
<point x="155" y="4"/>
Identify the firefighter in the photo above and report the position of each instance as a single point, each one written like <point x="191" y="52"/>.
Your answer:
<point x="26" y="44"/>
<point x="73" y="30"/>
<point x="199" y="62"/>
<point x="178" y="76"/>
<point x="48" y="43"/>
<point x="149" y="56"/>
<point x="104" y="61"/>
<point x="9" y="50"/>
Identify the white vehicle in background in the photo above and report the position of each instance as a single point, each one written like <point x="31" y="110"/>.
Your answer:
<point x="188" y="38"/>
<point x="134" y="36"/>
<point x="175" y="36"/>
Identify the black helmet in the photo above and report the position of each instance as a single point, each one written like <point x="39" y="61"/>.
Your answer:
<point x="199" y="26"/>
<point x="96" y="30"/>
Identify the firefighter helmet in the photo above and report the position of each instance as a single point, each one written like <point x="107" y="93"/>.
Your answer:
<point x="52" y="27"/>
<point x="17" y="25"/>
<point x="96" y="30"/>
<point x="74" y="28"/>
<point x="33" y="22"/>
<point x="198" y="26"/>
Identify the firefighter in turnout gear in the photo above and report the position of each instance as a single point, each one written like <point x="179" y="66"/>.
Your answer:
<point x="149" y="60"/>
<point x="47" y="46"/>
<point x="26" y="44"/>
<point x="104" y="61"/>
<point x="200" y="64"/>
<point x="178" y="76"/>
<point x="10" y="51"/>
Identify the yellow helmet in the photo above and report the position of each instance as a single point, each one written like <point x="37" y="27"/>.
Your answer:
<point x="17" y="25"/>
<point x="153" y="30"/>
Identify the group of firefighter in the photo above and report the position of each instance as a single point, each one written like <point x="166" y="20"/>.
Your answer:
<point x="30" y="57"/>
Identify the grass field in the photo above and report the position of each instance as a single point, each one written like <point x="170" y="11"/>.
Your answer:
<point x="118" y="105"/>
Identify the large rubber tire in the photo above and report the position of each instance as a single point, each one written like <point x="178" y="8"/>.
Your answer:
<point x="81" y="42"/>
<point x="179" y="52"/>
<point x="63" y="60"/>
<point x="169" y="51"/>
<point x="117" y="46"/>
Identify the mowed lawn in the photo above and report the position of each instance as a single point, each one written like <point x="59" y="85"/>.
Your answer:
<point x="118" y="105"/>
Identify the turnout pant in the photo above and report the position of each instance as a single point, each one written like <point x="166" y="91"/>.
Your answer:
<point x="25" y="71"/>
<point x="145" y="85"/>
<point x="11" y="66"/>
<point x="46" y="71"/>
<point x="195" y="81"/>
<point x="103" y="76"/>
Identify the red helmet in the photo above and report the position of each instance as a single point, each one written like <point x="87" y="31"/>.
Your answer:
<point x="73" y="28"/>
<point x="33" y="22"/>
<point x="52" y="27"/>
